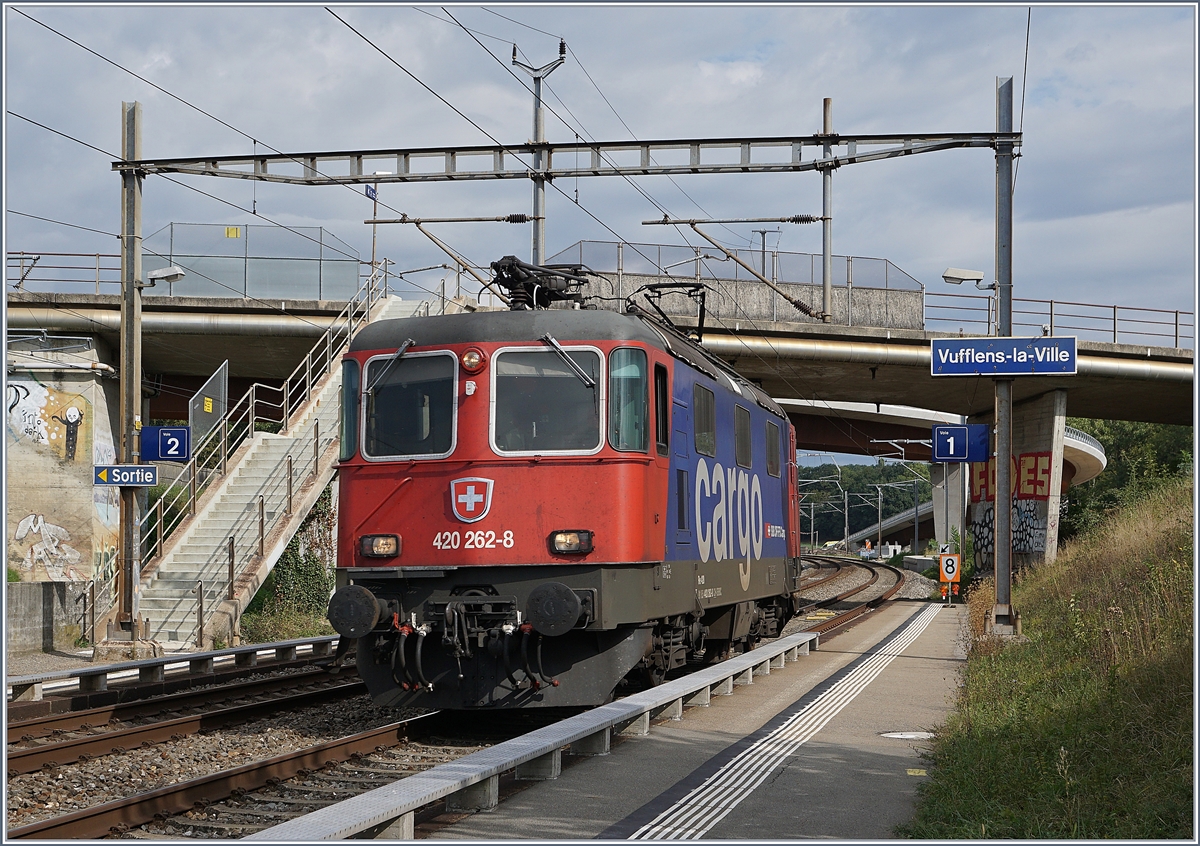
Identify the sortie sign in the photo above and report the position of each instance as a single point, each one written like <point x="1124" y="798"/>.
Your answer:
<point x="1044" y="356"/>
<point x="126" y="475"/>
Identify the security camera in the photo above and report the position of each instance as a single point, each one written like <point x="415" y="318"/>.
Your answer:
<point x="166" y="274"/>
<point x="957" y="276"/>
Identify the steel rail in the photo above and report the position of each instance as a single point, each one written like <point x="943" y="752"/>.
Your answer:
<point x="44" y="725"/>
<point x="33" y="758"/>
<point x="820" y="580"/>
<point x="852" y="613"/>
<point x="122" y="814"/>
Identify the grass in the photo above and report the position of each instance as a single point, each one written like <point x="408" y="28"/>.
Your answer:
<point x="276" y="624"/>
<point x="1084" y="728"/>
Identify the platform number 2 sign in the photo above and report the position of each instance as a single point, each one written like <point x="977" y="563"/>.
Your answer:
<point x="949" y="565"/>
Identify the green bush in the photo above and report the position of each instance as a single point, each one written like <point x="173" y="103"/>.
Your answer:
<point x="13" y="575"/>
<point x="292" y="601"/>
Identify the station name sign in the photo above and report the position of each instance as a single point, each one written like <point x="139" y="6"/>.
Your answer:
<point x="1043" y="356"/>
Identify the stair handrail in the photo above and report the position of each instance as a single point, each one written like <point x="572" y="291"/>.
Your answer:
<point x="249" y="536"/>
<point x="210" y="457"/>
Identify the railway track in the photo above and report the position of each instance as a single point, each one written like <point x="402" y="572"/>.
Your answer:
<point x="61" y="739"/>
<point x="236" y="800"/>
<point x="820" y="614"/>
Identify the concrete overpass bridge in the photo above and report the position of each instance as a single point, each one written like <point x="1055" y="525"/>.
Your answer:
<point x="849" y="386"/>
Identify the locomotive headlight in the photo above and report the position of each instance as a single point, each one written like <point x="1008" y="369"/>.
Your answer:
<point x="571" y="542"/>
<point x="380" y="546"/>
<point x="473" y="360"/>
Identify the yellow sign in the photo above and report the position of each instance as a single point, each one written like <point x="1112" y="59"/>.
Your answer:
<point x="208" y="405"/>
<point x="103" y="474"/>
<point x="233" y="232"/>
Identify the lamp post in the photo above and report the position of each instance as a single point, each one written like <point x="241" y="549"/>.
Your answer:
<point x="1003" y="617"/>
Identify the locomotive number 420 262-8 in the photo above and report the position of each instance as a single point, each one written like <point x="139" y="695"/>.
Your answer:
<point x="473" y="540"/>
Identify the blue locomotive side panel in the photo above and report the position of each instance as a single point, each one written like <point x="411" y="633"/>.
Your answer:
<point x="726" y="497"/>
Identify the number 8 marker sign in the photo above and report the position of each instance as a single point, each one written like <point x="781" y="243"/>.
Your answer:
<point x="949" y="567"/>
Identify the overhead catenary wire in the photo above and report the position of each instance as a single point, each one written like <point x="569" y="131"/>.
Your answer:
<point x="605" y="156"/>
<point x="465" y="117"/>
<point x="603" y="96"/>
<point x="253" y="211"/>
<point x="253" y="139"/>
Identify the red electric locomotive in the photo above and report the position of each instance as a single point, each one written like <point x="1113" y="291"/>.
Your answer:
<point x="535" y="503"/>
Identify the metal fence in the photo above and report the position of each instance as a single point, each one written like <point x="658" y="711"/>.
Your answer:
<point x="100" y="273"/>
<point x="710" y="263"/>
<point x="975" y="314"/>
<point x="256" y="261"/>
<point x="81" y="273"/>
<point x="209" y="405"/>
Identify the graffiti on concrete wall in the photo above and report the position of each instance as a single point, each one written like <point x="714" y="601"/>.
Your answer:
<point x="58" y="523"/>
<point x="71" y="419"/>
<point x="1028" y="529"/>
<point x="50" y="551"/>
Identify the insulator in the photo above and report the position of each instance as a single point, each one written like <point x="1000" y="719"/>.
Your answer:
<point x="517" y="218"/>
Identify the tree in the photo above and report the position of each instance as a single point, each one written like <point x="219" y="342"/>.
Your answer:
<point x="1140" y="457"/>
<point x="822" y="487"/>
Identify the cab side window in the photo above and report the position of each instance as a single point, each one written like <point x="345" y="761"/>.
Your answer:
<point x="662" y="410"/>
<point x="743" y="451"/>
<point x="705" y="415"/>
<point x="772" y="449"/>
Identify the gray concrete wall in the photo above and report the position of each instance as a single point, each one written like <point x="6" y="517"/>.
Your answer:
<point x="732" y="302"/>
<point x="45" y="616"/>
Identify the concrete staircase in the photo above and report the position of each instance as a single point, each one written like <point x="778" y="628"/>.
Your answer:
<point x="249" y="505"/>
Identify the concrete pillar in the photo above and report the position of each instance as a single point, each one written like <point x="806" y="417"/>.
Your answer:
<point x="481" y="796"/>
<point x="1039" y="426"/>
<point x="1038" y="430"/>
<point x="947" y="514"/>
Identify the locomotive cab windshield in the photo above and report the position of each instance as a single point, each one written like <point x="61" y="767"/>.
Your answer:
<point x="410" y="407"/>
<point x="541" y="405"/>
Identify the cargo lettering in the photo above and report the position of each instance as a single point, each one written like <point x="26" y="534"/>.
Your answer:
<point x="729" y="515"/>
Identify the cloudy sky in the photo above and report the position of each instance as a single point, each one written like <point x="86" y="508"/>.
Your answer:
<point x="1105" y="193"/>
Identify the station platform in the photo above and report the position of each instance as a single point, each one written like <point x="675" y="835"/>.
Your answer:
<point x="827" y="749"/>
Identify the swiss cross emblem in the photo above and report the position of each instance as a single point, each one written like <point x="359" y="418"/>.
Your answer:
<point x="471" y="498"/>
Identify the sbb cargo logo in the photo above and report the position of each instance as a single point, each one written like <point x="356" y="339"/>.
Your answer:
<point x="729" y="516"/>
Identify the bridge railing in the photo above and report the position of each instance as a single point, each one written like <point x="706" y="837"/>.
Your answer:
<point x="90" y="273"/>
<point x="776" y="265"/>
<point x="261" y="408"/>
<point x="80" y="273"/>
<point x="975" y="314"/>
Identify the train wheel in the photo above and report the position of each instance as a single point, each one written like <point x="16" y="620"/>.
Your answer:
<point x="655" y="675"/>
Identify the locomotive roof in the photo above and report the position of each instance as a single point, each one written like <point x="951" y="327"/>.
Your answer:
<point x="566" y="325"/>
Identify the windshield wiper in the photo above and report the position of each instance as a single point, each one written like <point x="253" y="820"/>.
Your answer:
<point x="579" y="371"/>
<point x="401" y="350"/>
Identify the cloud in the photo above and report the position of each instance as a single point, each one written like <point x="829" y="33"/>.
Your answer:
<point x="1106" y="181"/>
